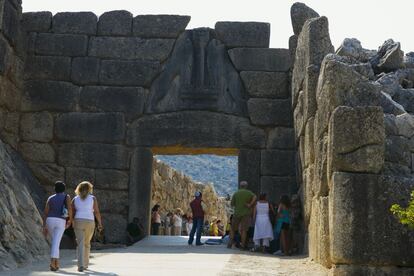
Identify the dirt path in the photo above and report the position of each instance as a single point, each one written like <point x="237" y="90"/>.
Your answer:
<point x="171" y="256"/>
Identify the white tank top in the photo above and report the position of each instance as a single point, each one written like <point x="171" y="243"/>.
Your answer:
<point x="84" y="208"/>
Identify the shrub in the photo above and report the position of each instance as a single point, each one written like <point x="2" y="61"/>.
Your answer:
<point x="405" y="215"/>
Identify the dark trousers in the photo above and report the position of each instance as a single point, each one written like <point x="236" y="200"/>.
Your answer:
<point x="197" y="227"/>
<point x="155" y="228"/>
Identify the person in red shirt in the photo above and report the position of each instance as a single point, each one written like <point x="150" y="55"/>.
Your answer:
<point x="198" y="208"/>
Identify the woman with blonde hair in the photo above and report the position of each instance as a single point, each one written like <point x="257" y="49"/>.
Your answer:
<point x="85" y="210"/>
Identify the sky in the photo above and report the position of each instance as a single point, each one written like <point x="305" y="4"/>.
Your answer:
<point x="370" y="21"/>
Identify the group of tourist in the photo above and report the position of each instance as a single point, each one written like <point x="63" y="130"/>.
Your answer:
<point x="81" y="212"/>
<point x="253" y="219"/>
<point x="172" y="224"/>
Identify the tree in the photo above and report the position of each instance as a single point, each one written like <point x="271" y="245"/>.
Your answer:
<point x="405" y="215"/>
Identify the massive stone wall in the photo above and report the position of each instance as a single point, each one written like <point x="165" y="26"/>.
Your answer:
<point x="102" y="95"/>
<point x="11" y="70"/>
<point x="172" y="189"/>
<point x="354" y="131"/>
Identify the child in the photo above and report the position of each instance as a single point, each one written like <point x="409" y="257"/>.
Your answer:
<point x="283" y="225"/>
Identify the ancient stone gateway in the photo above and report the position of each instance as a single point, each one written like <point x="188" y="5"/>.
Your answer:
<point x="106" y="95"/>
<point x="83" y="98"/>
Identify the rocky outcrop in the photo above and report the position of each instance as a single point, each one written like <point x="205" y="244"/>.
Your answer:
<point x="172" y="189"/>
<point x="354" y="129"/>
<point x="21" y="238"/>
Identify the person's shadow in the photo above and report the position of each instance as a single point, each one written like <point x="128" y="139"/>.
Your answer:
<point x="88" y="272"/>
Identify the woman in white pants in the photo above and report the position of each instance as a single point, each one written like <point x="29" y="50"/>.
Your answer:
<point x="85" y="210"/>
<point x="54" y="220"/>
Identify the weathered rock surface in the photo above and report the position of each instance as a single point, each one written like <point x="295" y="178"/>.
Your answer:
<point x="351" y="47"/>
<point x="130" y="48"/>
<point x="266" y="84"/>
<point x="159" y="26"/>
<point x="37" y="21"/>
<point x="356" y="140"/>
<point x="260" y="59"/>
<point x="267" y="112"/>
<point x="243" y="34"/>
<point x="299" y="13"/>
<point x="115" y="23"/>
<point x="389" y="57"/>
<point x="21" y="238"/>
<point x="129" y="100"/>
<point x="171" y="189"/>
<point x="382" y="240"/>
<point x="75" y="23"/>
<point x="90" y="127"/>
<point x="206" y="129"/>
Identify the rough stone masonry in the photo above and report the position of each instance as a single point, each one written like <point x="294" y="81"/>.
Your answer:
<point x="88" y="98"/>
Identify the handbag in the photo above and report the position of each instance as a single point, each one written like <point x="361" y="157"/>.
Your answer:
<point x="65" y="211"/>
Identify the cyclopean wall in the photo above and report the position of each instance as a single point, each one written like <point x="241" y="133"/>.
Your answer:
<point x="354" y="131"/>
<point x="102" y="96"/>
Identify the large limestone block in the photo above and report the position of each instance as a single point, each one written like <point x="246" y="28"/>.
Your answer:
<point x="299" y="13"/>
<point x="46" y="67"/>
<point x="128" y="72"/>
<point x="50" y="96"/>
<point x="206" y="129"/>
<point x="309" y="146"/>
<point x="341" y="85"/>
<point x="266" y="84"/>
<point x="405" y="97"/>
<point x="320" y="183"/>
<point x="75" y="23"/>
<point x="103" y="156"/>
<point x="389" y="58"/>
<point x="313" y="45"/>
<point x="37" y="152"/>
<point x="61" y="44"/>
<point x="281" y="138"/>
<point x="397" y="150"/>
<point x="112" y="179"/>
<point x="90" y="127"/>
<point x="356" y="140"/>
<point x="139" y="188"/>
<point x="36" y="127"/>
<point x="278" y="162"/>
<point x="260" y="59"/>
<point x="249" y="168"/>
<point x="130" y="48"/>
<point x="275" y="187"/>
<point x="10" y="95"/>
<point x="114" y="225"/>
<point x="115" y="23"/>
<point x="405" y="125"/>
<point x="20" y="197"/>
<point x="112" y="201"/>
<point x="47" y="173"/>
<point x="362" y="228"/>
<point x="37" y="21"/>
<point x="351" y="270"/>
<point x="74" y="176"/>
<point x="159" y="26"/>
<point x="10" y="22"/>
<point x="324" y="242"/>
<point x="129" y="100"/>
<point x="243" y="34"/>
<point x="267" y="112"/>
<point x="308" y="192"/>
<point x="85" y="70"/>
